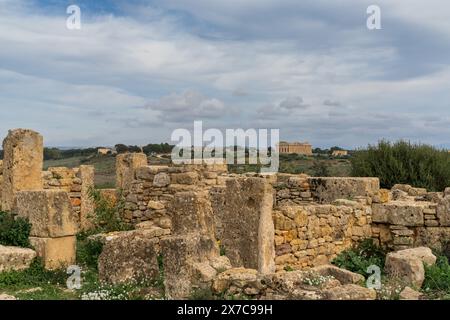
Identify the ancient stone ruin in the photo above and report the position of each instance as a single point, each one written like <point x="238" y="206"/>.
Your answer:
<point x="239" y="234"/>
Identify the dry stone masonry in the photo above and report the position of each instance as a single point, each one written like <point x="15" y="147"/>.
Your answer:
<point x="261" y="236"/>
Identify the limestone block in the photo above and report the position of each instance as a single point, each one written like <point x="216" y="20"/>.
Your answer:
<point x="55" y="252"/>
<point x="408" y="264"/>
<point x="145" y="173"/>
<point x="62" y="173"/>
<point x="344" y="276"/>
<point x="22" y="165"/>
<point x="49" y="211"/>
<point x="155" y="205"/>
<point x="86" y="174"/>
<point x="432" y="237"/>
<point x="350" y="292"/>
<point x="192" y="212"/>
<point x="162" y="179"/>
<point x="185" y="178"/>
<point x="246" y="222"/>
<point x="129" y="256"/>
<point x="15" y="258"/>
<point x="180" y="255"/>
<point x="238" y="277"/>
<point x="443" y="211"/>
<point x="410" y="294"/>
<point x="403" y="213"/>
<point x="328" y="189"/>
<point x="126" y="166"/>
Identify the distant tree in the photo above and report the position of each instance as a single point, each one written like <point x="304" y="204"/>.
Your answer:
<point x="52" y="154"/>
<point x="121" y="148"/>
<point x="320" y="169"/>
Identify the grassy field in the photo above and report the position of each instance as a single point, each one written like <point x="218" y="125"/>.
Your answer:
<point x="105" y="167"/>
<point x="315" y="166"/>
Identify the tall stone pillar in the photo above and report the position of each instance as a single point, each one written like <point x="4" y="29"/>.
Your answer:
<point x="86" y="175"/>
<point x="126" y="165"/>
<point x="22" y="165"/>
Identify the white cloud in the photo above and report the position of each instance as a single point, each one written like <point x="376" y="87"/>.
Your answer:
<point x="236" y="70"/>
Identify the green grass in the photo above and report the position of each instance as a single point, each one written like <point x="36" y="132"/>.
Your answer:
<point x="36" y="283"/>
<point x="360" y="257"/>
<point x="105" y="168"/>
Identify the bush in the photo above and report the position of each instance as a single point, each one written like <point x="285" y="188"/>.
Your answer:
<point x="106" y="216"/>
<point x="360" y="257"/>
<point x="402" y="162"/>
<point x="320" y="169"/>
<point x="88" y="251"/>
<point x="437" y="277"/>
<point x="14" y="231"/>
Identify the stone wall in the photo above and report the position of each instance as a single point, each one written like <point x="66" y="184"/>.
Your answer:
<point x="311" y="235"/>
<point x="76" y="182"/>
<point x="153" y="188"/>
<point x="412" y="217"/>
<point x="302" y="189"/>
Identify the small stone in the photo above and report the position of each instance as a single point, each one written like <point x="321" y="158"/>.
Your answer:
<point x="410" y="294"/>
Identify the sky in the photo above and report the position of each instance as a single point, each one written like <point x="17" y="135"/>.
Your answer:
<point x="137" y="70"/>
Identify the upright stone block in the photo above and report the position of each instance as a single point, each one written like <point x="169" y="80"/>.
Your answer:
<point x="86" y="175"/>
<point x="191" y="212"/>
<point x="22" y="164"/>
<point x="180" y="256"/>
<point x="55" y="252"/>
<point x="247" y="229"/>
<point x="49" y="211"/>
<point x="126" y="166"/>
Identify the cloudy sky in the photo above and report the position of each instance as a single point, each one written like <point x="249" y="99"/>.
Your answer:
<point x="139" y="69"/>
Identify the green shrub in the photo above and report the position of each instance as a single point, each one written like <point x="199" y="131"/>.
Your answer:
<point x="360" y="257"/>
<point x="402" y="162"/>
<point x="437" y="277"/>
<point x="14" y="231"/>
<point x="106" y="216"/>
<point x="88" y="251"/>
<point x="320" y="169"/>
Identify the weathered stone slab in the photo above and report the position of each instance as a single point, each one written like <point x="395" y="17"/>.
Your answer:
<point x="443" y="211"/>
<point x="247" y="230"/>
<point x="410" y="294"/>
<point x="22" y="165"/>
<point x="49" y="211"/>
<point x="408" y="264"/>
<point x="344" y="276"/>
<point x="403" y="213"/>
<point x="181" y="255"/>
<point x="328" y="189"/>
<point x="55" y="252"/>
<point x="15" y="258"/>
<point x="129" y="256"/>
<point x="126" y="166"/>
<point x="86" y="175"/>
<point x="350" y="292"/>
<point x="191" y="212"/>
